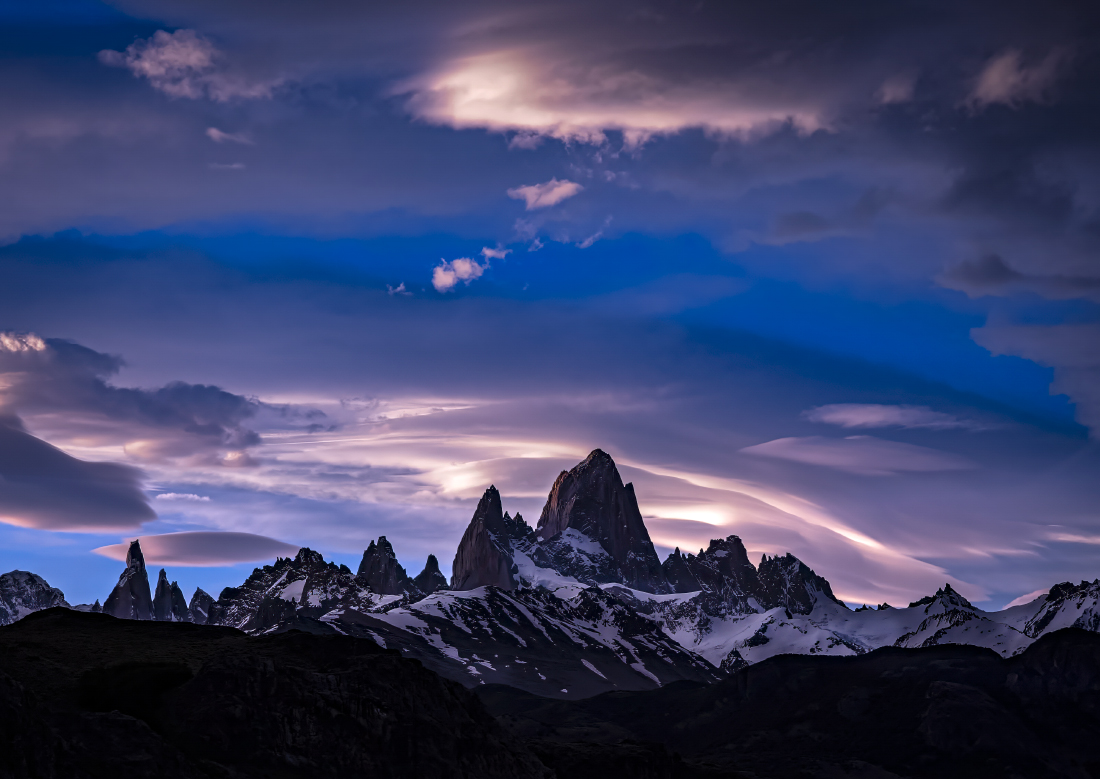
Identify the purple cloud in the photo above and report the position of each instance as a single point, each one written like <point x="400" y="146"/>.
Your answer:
<point x="874" y="415"/>
<point x="202" y="549"/>
<point x="43" y="487"/>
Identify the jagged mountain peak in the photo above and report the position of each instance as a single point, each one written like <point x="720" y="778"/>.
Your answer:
<point x="134" y="557"/>
<point x="381" y="571"/>
<point x="169" y="605"/>
<point x="131" y="597"/>
<point x="946" y="596"/>
<point x="308" y="557"/>
<point x="592" y="500"/>
<point x="484" y="555"/>
<point x="23" y="592"/>
<point x="431" y="579"/>
<point x="787" y="581"/>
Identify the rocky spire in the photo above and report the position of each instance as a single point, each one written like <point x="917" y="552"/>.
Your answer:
<point x="130" y="599"/>
<point x="96" y="607"/>
<point x="169" y="605"/>
<point x="430" y="579"/>
<point x="380" y="570"/>
<point x="593" y="500"/>
<point x="202" y="604"/>
<point x="484" y="553"/>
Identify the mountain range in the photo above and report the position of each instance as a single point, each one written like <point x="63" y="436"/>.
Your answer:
<point x="578" y="605"/>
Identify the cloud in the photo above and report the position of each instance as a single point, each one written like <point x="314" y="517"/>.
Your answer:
<point x="864" y="455"/>
<point x="217" y="136"/>
<point x="897" y="89"/>
<point x="1006" y="80"/>
<point x="544" y="195"/>
<point x="398" y="290"/>
<point x="872" y="415"/>
<point x="202" y="548"/>
<point x="1072" y="350"/>
<point x="494" y="254"/>
<point x="552" y="90"/>
<point x="227" y="166"/>
<point x="184" y="496"/>
<point x="185" y="64"/>
<point x="43" y="487"/>
<point x="446" y="275"/>
<point x="991" y="275"/>
<point x="1025" y="599"/>
<point x="64" y="388"/>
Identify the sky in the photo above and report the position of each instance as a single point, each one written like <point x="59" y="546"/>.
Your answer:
<point x="825" y="276"/>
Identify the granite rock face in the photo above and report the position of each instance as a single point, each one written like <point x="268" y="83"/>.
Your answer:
<point x="201" y="605"/>
<point x="131" y="599"/>
<point x="592" y="500"/>
<point x="380" y="570"/>
<point x="484" y="555"/>
<point x="430" y="579"/>
<point x="22" y="593"/>
<point x="169" y="605"/>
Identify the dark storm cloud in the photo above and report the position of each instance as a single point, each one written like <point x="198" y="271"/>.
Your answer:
<point x="42" y="487"/>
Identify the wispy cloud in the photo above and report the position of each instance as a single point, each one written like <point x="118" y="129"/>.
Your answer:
<point x="1005" y="79"/>
<point x="1025" y="599"/>
<point x="873" y="415"/>
<point x="864" y="455"/>
<point x="218" y="136"/>
<point x="182" y="496"/>
<point x="547" y="194"/>
<point x="185" y="64"/>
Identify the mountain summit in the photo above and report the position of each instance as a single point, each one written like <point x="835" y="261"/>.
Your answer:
<point x="592" y="501"/>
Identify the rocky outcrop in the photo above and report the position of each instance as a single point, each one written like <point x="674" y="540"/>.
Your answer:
<point x="131" y="599"/>
<point x="201" y="605"/>
<point x="729" y="583"/>
<point x="788" y="582"/>
<point x="678" y="572"/>
<point x="23" y="593"/>
<point x="169" y="605"/>
<point x="380" y="570"/>
<point x="430" y="579"/>
<point x="592" y="500"/>
<point x="484" y="555"/>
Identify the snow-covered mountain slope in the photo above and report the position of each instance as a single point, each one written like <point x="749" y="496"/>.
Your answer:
<point x="532" y="639"/>
<point x="23" y="593"/>
<point x="830" y="628"/>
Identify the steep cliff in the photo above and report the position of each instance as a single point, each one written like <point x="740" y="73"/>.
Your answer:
<point x="484" y="554"/>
